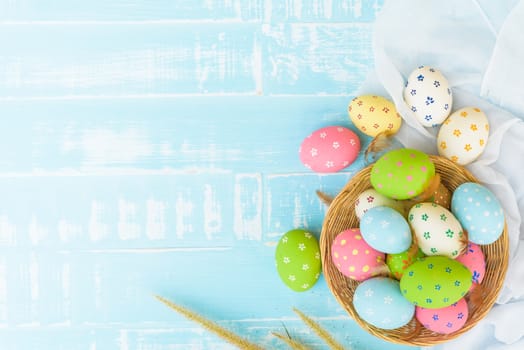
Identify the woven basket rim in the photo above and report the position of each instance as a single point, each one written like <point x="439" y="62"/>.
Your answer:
<point x="341" y="215"/>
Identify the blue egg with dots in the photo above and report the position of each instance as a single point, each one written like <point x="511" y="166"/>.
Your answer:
<point x="386" y="230"/>
<point x="479" y="212"/>
<point x="379" y="302"/>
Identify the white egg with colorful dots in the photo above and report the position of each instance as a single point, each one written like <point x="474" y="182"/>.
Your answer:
<point x="429" y="96"/>
<point x="479" y="212"/>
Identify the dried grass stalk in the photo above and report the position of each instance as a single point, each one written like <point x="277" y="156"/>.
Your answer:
<point x="321" y="332"/>
<point x="225" y="334"/>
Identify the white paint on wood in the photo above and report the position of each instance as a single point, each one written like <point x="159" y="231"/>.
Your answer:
<point x="247" y="209"/>
<point x="34" y="284"/>
<point x="328" y="9"/>
<point x="212" y="213"/>
<point x="105" y="146"/>
<point x="66" y="282"/>
<point x="97" y="286"/>
<point x="156" y="219"/>
<point x="37" y="233"/>
<point x="3" y="291"/>
<point x="97" y="228"/>
<point x="299" y="219"/>
<point x="7" y="231"/>
<point x="258" y="67"/>
<point x="68" y="231"/>
<point x="183" y="213"/>
<point x="128" y="228"/>
<point x="123" y="340"/>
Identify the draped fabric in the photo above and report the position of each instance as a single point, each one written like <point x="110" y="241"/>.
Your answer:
<point x="479" y="47"/>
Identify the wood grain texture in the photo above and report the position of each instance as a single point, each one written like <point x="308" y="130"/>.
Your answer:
<point x="150" y="147"/>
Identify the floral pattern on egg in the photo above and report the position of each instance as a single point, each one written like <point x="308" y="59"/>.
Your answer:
<point x="429" y="96"/>
<point x="464" y="135"/>
<point x="329" y="149"/>
<point x="445" y="320"/>
<point x="374" y="114"/>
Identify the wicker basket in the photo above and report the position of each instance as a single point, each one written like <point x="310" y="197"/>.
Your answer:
<point x="341" y="216"/>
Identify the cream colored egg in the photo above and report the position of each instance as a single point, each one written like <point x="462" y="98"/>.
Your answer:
<point x="437" y="230"/>
<point x="463" y="136"/>
<point x="370" y="198"/>
<point x="374" y="114"/>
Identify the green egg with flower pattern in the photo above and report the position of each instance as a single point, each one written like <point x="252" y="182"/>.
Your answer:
<point x="435" y="282"/>
<point x="297" y="258"/>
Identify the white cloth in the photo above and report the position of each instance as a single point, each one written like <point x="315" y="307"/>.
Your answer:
<point x="478" y="46"/>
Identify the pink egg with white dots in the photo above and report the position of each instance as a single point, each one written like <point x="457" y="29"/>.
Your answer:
<point x="445" y="320"/>
<point x="353" y="257"/>
<point x="329" y="149"/>
<point x="473" y="258"/>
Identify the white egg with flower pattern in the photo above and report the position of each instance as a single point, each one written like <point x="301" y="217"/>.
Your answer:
<point x="429" y="96"/>
<point x="463" y="136"/>
<point x="436" y="229"/>
<point x="370" y="198"/>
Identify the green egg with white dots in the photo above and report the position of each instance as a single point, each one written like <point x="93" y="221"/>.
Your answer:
<point x="297" y="258"/>
<point x="435" y="282"/>
<point x="402" y="173"/>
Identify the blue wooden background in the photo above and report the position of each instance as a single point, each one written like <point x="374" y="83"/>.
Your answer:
<point x="150" y="147"/>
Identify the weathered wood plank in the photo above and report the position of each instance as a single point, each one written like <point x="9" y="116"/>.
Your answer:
<point x="316" y="58"/>
<point x="186" y="134"/>
<point x="107" y="299"/>
<point x="127" y="60"/>
<point x="191" y="10"/>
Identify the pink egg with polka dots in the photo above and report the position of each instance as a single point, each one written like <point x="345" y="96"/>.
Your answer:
<point x="353" y="257"/>
<point x="445" y="320"/>
<point x="329" y="149"/>
<point x="473" y="258"/>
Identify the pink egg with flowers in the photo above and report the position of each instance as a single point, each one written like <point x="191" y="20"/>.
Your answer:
<point x="329" y="149"/>
<point x="445" y="320"/>
<point x="473" y="258"/>
<point x="354" y="258"/>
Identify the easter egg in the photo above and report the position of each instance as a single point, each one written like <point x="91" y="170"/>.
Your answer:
<point x="428" y="95"/>
<point x="329" y="149"/>
<point x="374" y="114"/>
<point x="298" y="259"/>
<point x="445" y="320"/>
<point x="479" y="212"/>
<point x="434" y="282"/>
<point x="370" y="198"/>
<point x="378" y="301"/>
<point x="385" y="230"/>
<point x="463" y="136"/>
<point x="473" y="258"/>
<point x="353" y="257"/>
<point x="397" y="263"/>
<point x="402" y="173"/>
<point x="436" y="229"/>
<point x="441" y="196"/>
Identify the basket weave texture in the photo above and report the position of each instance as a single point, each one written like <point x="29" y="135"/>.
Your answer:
<point x="341" y="216"/>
